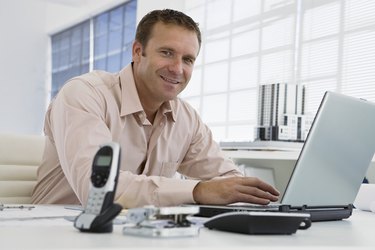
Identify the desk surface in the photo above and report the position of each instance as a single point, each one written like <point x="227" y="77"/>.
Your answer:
<point x="30" y="231"/>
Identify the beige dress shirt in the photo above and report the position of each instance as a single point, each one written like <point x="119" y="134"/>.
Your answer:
<point x="100" y="107"/>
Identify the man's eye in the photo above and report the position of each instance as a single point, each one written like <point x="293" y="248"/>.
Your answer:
<point x="189" y="61"/>
<point x="166" y="53"/>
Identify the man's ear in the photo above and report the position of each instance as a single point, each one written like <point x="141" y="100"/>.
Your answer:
<point x="137" y="51"/>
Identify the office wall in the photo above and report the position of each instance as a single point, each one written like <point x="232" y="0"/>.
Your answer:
<point x="25" y="53"/>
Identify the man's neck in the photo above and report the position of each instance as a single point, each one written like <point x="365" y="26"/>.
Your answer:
<point x="150" y="109"/>
<point x="150" y="115"/>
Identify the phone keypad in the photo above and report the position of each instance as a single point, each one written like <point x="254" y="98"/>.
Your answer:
<point x="95" y="201"/>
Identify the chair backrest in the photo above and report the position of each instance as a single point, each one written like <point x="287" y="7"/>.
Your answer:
<point x="20" y="156"/>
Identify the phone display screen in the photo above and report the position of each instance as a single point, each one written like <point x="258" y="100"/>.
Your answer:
<point x="103" y="161"/>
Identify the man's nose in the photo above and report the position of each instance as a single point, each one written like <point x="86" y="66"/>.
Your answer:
<point x="176" y="66"/>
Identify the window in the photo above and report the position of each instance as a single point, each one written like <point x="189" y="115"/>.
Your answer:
<point x="321" y="44"/>
<point x="113" y="32"/>
<point x="70" y="54"/>
<point x="336" y="49"/>
<point x="246" y="43"/>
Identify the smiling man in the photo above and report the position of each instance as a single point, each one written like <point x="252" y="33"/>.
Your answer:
<point x="160" y="135"/>
<point x="163" y="65"/>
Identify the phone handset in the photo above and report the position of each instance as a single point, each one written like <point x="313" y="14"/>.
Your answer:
<point x="100" y="209"/>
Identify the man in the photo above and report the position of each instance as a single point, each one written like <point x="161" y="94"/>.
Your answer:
<point x="159" y="134"/>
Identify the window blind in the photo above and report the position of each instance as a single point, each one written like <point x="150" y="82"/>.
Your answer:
<point x="322" y="44"/>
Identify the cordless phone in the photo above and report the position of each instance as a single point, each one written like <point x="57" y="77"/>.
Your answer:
<point x="100" y="209"/>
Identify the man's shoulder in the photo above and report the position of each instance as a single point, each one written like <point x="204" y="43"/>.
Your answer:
<point x="98" y="78"/>
<point x="183" y="108"/>
<point x="89" y="85"/>
<point x="181" y="103"/>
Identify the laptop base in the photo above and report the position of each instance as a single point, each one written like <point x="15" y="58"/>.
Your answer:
<point x="317" y="213"/>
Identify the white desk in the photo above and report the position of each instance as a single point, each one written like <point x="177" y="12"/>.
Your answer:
<point x="357" y="232"/>
<point x="281" y="163"/>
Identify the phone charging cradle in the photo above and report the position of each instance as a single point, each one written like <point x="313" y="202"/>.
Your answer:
<point x="101" y="223"/>
<point x="259" y="222"/>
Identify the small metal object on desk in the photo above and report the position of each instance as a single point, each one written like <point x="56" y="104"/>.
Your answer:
<point x="2" y="207"/>
<point x="152" y="221"/>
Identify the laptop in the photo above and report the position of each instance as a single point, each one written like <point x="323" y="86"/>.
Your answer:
<point x="331" y="166"/>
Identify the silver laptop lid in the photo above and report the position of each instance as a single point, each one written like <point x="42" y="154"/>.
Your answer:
<point x="336" y="155"/>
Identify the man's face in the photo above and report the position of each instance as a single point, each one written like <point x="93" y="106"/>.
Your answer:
<point x="163" y="68"/>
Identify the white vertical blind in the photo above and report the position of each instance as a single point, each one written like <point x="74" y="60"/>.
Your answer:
<point x="216" y="78"/>
<point x="245" y="43"/>
<point x="250" y="38"/>
<point x="240" y="102"/>
<point x="214" y="107"/>
<point x="241" y="73"/>
<point x="359" y="65"/>
<point x="218" y="14"/>
<point x="249" y="43"/>
<point x="245" y="9"/>
<point x="337" y="51"/>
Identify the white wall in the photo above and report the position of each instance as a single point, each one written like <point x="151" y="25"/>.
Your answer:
<point x="25" y="53"/>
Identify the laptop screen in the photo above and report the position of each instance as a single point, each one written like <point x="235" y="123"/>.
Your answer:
<point x="336" y="155"/>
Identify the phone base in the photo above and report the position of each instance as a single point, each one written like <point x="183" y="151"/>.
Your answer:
<point x="101" y="229"/>
<point x="101" y="223"/>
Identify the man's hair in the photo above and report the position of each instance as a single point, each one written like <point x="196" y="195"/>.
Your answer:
<point x="166" y="16"/>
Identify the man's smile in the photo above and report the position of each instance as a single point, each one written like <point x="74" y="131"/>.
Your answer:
<point x="167" y="79"/>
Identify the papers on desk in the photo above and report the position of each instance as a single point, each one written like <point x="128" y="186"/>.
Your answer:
<point x="261" y="145"/>
<point x="365" y="199"/>
<point x="43" y="214"/>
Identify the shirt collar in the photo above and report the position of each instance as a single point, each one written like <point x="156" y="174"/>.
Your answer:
<point x="131" y="103"/>
<point x="168" y="109"/>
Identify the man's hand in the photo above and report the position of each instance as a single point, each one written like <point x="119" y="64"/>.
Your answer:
<point x="228" y="190"/>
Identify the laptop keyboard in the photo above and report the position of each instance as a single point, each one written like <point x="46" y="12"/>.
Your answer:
<point x="255" y="207"/>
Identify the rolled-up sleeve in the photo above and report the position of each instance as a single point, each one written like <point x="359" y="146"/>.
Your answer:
<point x="140" y="190"/>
